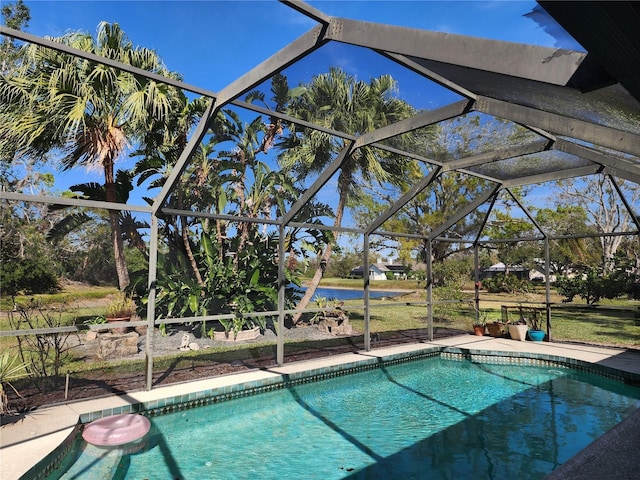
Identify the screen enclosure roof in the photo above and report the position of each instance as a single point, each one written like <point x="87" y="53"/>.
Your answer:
<point x="581" y="109"/>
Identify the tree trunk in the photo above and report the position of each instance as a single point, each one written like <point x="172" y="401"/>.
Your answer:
<point x="324" y="260"/>
<point x="610" y="246"/>
<point x="313" y="285"/>
<point x="118" y="250"/>
<point x="116" y="231"/>
<point x="184" y="231"/>
<point x="187" y="247"/>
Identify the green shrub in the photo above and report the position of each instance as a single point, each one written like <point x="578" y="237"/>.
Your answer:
<point x="569" y="288"/>
<point x="595" y="284"/>
<point x="506" y="284"/>
<point x="31" y="275"/>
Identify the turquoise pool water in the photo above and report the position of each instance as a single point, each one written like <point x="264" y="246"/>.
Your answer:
<point x="427" y="419"/>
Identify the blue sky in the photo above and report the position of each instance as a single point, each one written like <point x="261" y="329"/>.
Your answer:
<point x="211" y="43"/>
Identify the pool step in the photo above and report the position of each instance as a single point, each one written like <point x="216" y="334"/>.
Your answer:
<point x="101" y="462"/>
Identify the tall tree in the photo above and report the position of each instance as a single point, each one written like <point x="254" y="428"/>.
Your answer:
<point x="17" y="16"/>
<point x="568" y="253"/>
<point x="339" y="101"/>
<point x="606" y="212"/>
<point x="159" y="153"/>
<point x="87" y="113"/>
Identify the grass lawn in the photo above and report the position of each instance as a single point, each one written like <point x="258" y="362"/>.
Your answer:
<point x="602" y="325"/>
<point x="613" y="322"/>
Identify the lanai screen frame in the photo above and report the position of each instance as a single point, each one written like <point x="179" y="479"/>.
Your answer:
<point x="549" y="70"/>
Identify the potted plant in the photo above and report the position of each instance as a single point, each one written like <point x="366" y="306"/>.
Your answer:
<point x="518" y="329"/>
<point x="92" y="334"/>
<point x="239" y="327"/>
<point x="332" y="318"/>
<point x="495" y="329"/>
<point x="120" y="309"/>
<point x="480" y="323"/>
<point x="536" y="333"/>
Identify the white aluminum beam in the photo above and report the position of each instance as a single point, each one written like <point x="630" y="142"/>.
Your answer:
<point x="489" y="157"/>
<point x="324" y="177"/>
<point x="434" y="77"/>
<point x="45" y="42"/>
<point x="470" y="207"/>
<point x="307" y="10"/>
<point x="484" y="220"/>
<point x="181" y="163"/>
<point x="402" y="201"/>
<point x="299" y="48"/>
<point x="627" y="205"/>
<point x="526" y="211"/>
<point x="614" y="165"/>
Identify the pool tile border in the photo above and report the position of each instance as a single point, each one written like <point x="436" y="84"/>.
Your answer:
<point x="484" y="356"/>
<point x="48" y="464"/>
<point x="286" y="380"/>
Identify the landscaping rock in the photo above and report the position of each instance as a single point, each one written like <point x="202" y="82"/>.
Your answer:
<point x="184" y="343"/>
<point x="117" y="345"/>
<point x="336" y="325"/>
<point x="91" y="335"/>
<point x="141" y="330"/>
<point x="240" y="336"/>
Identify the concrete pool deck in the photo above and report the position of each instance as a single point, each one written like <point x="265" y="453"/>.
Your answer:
<point x="25" y="443"/>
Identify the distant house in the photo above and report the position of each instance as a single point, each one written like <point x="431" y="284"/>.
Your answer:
<point x="538" y="276"/>
<point x="517" y="270"/>
<point x="379" y="271"/>
<point x="500" y="269"/>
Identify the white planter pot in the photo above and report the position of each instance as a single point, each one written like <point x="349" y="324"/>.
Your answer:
<point x="518" y="332"/>
<point x="242" y="335"/>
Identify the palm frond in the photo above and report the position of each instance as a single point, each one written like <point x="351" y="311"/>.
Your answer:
<point x="68" y="224"/>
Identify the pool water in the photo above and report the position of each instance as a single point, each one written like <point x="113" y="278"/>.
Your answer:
<point x="432" y="418"/>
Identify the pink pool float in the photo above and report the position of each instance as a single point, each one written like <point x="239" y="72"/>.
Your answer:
<point x="116" y="429"/>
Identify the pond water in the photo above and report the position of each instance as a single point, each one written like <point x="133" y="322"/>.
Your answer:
<point x="350" y="294"/>
<point x="433" y="418"/>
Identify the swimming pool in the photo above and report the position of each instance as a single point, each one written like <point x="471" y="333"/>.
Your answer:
<point x="429" y="418"/>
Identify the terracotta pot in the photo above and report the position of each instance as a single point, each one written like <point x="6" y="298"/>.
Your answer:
<point x="495" y="329"/>
<point x="119" y="319"/>
<point x="478" y="330"/>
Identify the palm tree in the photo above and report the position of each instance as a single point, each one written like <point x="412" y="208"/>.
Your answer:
<point x="160" y="151"/>
<point x="72" y="222"/>
<point x="88" y="114"/>
<point x="338" y="101"/>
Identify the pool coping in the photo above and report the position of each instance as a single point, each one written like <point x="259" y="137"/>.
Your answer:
<point x="37" y="438"/>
